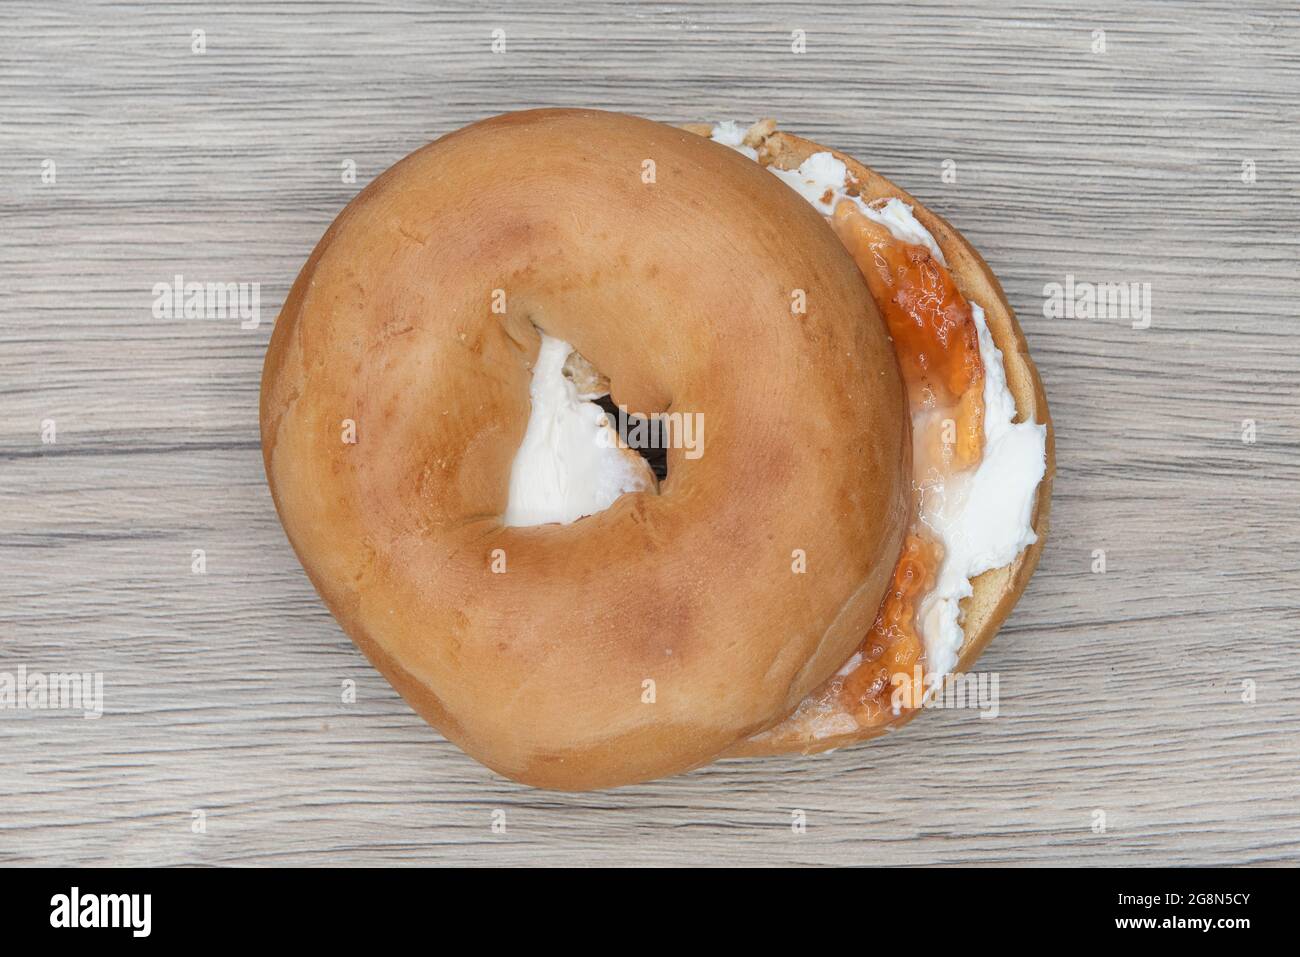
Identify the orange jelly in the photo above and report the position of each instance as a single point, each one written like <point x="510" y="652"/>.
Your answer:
<point x="930" y="322"/>
<point x="893" y="646"/>
<point x="937" y="343"/>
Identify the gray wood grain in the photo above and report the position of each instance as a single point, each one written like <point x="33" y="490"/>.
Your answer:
<point x="1121" y="692"/>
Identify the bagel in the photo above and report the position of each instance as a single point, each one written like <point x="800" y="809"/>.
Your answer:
<point x="436" y="452"/>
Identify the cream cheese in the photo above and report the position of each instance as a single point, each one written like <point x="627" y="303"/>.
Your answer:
<point x="983" y="517"/>
<point x="570" y="463"/>
<point x="823" y="180"/>
<point x="730" y="133"/>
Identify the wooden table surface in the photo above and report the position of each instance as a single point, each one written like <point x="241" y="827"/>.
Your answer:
<point x="1159" y="696"/>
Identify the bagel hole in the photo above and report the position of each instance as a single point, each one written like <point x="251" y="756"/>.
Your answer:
<point x="654" y="451"/>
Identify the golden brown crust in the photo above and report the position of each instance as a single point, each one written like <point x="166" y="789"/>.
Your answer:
<point x="997" y="591"/>
<point x="678" y="288"/>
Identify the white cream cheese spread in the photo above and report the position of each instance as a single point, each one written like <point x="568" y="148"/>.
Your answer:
<point x="822" y="180"/>
<point x="565" y="467"/>
<point x="983" y="517"/>
<point x="730" y="133"/>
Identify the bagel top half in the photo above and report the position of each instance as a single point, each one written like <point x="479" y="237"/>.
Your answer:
<point x="658" y="634"/>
